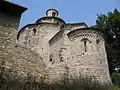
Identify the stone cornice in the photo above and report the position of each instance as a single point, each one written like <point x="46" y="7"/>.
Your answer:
<point x="82" y="23"/>
<point x="34" y="26"/>
<point x="59" y="19"/>
<point x="85" y="32"/>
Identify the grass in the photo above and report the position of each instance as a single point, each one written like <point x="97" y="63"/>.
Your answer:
<point x="64" y="84"/>
<point x="11" y="83"/>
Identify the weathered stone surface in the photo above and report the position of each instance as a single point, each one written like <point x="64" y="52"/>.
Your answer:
<point x="25" y="61"/>
<point x="52" y="50"/>
<point x="18" y="60"/>
<point x="71" y="48"/>
<point x="9" y="20"/>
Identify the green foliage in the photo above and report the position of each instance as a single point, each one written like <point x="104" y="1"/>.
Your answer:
<point x="116" y="78"/>
<point x="64" y="84"/>
<point x="76" y="85"/>
<point x="30" y="83"/>
<point x="110" y="25"/>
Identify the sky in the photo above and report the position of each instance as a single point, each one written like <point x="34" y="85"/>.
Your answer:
<point x="71" y="11"/>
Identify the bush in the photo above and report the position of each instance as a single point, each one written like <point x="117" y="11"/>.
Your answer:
<point x="116" y="78"/>
<point x="64" y="84"/>
<point x="11" y="83"/>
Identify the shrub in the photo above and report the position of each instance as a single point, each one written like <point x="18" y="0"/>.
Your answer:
<point x="64" y="84"/>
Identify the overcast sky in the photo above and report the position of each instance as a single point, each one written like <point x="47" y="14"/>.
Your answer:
<point x="69" y="10"/>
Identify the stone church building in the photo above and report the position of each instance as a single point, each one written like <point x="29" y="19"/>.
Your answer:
<point x="50" y="47"/>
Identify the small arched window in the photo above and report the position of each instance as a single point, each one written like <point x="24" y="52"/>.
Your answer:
<point x="98" y="45"/>
<point x="85" y="45"/>
<point x="85" y="40"/>
<point x="51" y="59"/>
<point x="34" y="31"/>
<point x="97" y="41"/>
<point x="53" y="14"/>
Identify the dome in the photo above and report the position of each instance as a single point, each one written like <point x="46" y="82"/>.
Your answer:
<point x="51" y="17"/>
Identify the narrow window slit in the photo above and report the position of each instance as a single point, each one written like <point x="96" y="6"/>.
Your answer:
<point x="85" y="42"/>
<point x="53" y="14"/>
<point x="34" y="31"/>
<point x="50" y="59"/>
<point x="97" y="41"/>
<point x="85" y="45"/>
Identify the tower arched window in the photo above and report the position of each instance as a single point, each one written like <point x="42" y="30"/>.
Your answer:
<point x="51" y="59"/>
<point x="97" y="41"/>
<point x="34" y="31"/>
<point x="98" y="44"/>
<point x="85" y="40"/>
<point x="85" y="46"/>
<point x="53" y="14"/>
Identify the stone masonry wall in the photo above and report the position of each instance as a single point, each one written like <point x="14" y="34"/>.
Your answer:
<point x="9" y="21"/>
<point x="51" y="49"/>
<point x="88" y="55"/>
<point x="37" y="38"/>
<point x="17" y="60"/>
<point x="23" y="62"/>
<point x="69" y="58"/>
<point x="67" y="52"/>
<point x="8" y="32"/>
<point x="56" y="66"/>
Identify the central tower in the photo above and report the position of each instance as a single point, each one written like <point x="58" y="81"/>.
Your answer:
<point x="52" y="13"/>
<point x="51" y="17"/>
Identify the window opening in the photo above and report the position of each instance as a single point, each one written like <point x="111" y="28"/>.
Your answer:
<point x="85" y="40"/>
<point x="53" y="14"/>
<point x="85" y="46"/>
<point x="97" y="41"/>
<point x="51" y="59"/>
<point x="34" y="31"/>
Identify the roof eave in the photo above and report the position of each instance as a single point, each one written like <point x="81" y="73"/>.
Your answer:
<point x="11" y="8"/>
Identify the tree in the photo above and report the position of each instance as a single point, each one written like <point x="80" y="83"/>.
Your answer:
<point x="110" y="25"/>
